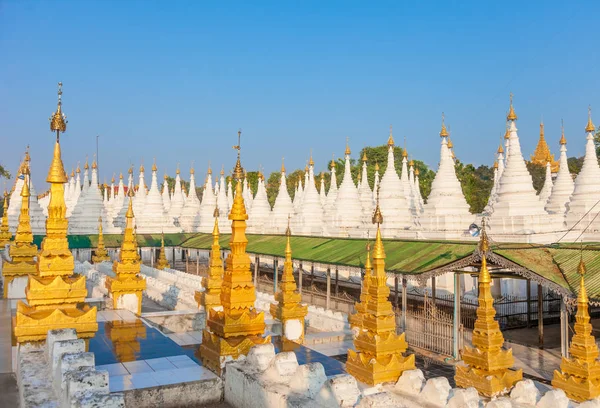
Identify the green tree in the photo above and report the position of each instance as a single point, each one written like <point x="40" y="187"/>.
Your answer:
<point x="538" y="175"/>
<point x="4" y="173"/>
<point x="575" y="164"/>
<point x="476" y="184"/>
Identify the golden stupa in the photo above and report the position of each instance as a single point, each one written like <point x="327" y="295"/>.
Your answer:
<point x="100" y="253"/>
<point x="487" y="365"/>
<point x="239" y="326"/>
<point x="211" y="296"/>
<point x="162" y="261"/>
<point x="55" y="296"/>
<point x="22" y="251"/>
<point x="127" y="280"/>
<point x="5" y="235"/>
<point x="579" y="375"/>
<point x="379" y="357"/>
<point x="356" y="319"/>
<point x="542" y="154"/>
<point x="289" y="307"/>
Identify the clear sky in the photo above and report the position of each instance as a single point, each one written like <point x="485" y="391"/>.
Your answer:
<point x="175" y="80"/>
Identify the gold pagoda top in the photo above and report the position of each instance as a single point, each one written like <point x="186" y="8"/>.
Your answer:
<point x="511" y="111"/>
<point x="58" y="120"/>
<point x="542" y="154"/>
<point x="390" y="141"/>
<point x="444" y="131"/>
<point x="590" y="125"/>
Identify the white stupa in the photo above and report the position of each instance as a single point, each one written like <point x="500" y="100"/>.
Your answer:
<point x="154" y="218"/>
<point x="498" y="170"/>
<point x="89" y="209"/>
<point x="310" y="216"/>
<point x="177" y="198"/>
<point x="222" y="201"/>
<point x="547" y="188"/>
<point x="189" y="219"/>
<point x="348" y="209"/>
<point x="563" y="185"/>
<point x="258" y="217"/>
<point x="140" y="195"/>
<point x="392" y="199"/>
<point x="406" y="184"/>
<point x="36" y="214"/>
<point x="86" y="180"/>
<point x="584" y="206"/>
<point x="446" y="208"/>
<point x="229" y="194"/>
<point x="247" y="193"/>
<point x="165" y="194"/>
<point x="517" y="210"/>
<point x="329" y="207"/>
<point x="120" y="219"/>
<point x="322" y="193"/>
<point x="416" y="194"/>
<point x="207" y="206"/>
<point x="283" y="207"/>
<point x="365" y="195"/>
<point x="419" y="196"/>
<point x="119" y="197"/>
<point x="376" y="181"/>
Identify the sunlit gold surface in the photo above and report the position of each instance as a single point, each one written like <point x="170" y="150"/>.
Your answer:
<point x="55" y="295"/>
<point x="542" y="154"/>
<point x="379" y="350"/>
<point x="5" y="235"/>
<point x="125" y="336"/>
<point x="239" y="326"/>
<point x="356" y="319"/>
<point x="487" y="364"/>
<point x="211" y="296"/>
<point x="289" y="306"/>
<point x="101" y="254"/>
<point x="162" y="262"/>
<point x="579" y="375"/>
<point x="127" y="279"/>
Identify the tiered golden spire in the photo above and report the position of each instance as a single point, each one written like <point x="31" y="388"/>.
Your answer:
<point x="563" y="139"/>
<point x="347" y="152"/>
<point x="154" y="168"/>
<point x="282" y="165"/>
<point x="22" y="251"/>
<point x="127" y="280"/>
<point x="162" y="262"/>
<point x="542" y="154"/>
<point x="356" y="319"/>
<point x="444" y="131"/>
<point x="511" y="111"/>
<point x="211" y="296"/>
<point x="289" y="309"/>
<point x="379" y="357"/>
<point x="239" y="326"/>
<point x="364" y="158"/>
<point x="390" y="141"/>
<point x="5" y="235"/>
<point x="500" y="148"/>
<point x="590" y="125"/>
<point x="101" y="254"/>
<point x="54" y="293"/>
<point x="579" y="375"/>
<point x="487" y="365"/>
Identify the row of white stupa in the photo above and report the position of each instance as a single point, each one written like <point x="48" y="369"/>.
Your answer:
<point x="514" y="210"/>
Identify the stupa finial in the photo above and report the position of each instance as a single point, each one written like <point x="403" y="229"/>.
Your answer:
<point x="511" y="111"/>
<point x="590" y="125"/>
<point x="563" y="140"/>
<point x="347" y="152"/>
<point x="444" y="131"/>
<point x="58" y="120"/>
<point x="282" y="165"/>
<point x="390" y="141"/>
<point x="238" y="170"/>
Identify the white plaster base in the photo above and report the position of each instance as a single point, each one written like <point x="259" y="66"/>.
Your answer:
<point x="16" y="288"/>
<point x="129" y="302"/>
<point x="292" y="330"/>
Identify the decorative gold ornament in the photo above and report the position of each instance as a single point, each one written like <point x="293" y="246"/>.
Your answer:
<point x="162" y="262"/>
<point x="390" y="141"/>
<point x="563" y="140"/>
<point x="579" y="375"/>
<point x="55" y="293"/>
<point x="590" y="125"/>
<point x="356" y="319"/>
<point x="444" y="131"/>
<point x="211" y="296"/>
<point x="127" y="279"/>
<point x="487" y="364"/>
<point x="511" y="111"/>
<point x="5" y="235"/>
<point x="289" y="306"/>
<point x="542" y="154"/>
<point x="100" y="254"/>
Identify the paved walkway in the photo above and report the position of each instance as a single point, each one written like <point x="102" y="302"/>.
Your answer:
<point x="8" y="382"/>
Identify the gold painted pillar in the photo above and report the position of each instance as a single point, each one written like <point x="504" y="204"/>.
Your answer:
<point x="55" y="296"/>
<point x="239" y="326"/>
<point x="289" y="307"/>
<point x="162" y="262"/>
<point x="487" y="364"/>
<point x="127" y="280"/>
<point x="5" y="235"/>
<point x="579" y="375"/>
<point x="211" y="296"/>
<point x="22" y="251"/>
<point x="101" y="254"/>
<point x="379" y="357"/>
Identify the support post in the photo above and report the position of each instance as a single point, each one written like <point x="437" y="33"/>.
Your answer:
<point x="564" y="329"/>
<point x="456" y="320"/>
<point x="300" y="273"/>
<point x="197" y="264"/>
<point x="336" y="281"/>
<point x="256" y="265"/>
<point x="404" y="303"/>
<point x="528" y="303"/>
<point x="152" y="257"/>
<point x="396" y="291"/>
<point x="433" y="289"/>
<point x="275" y="275"/>
<point x="187" y="260"/>
<point x="540" y="317"/>
<point x="328" y="299"/>
<point x="312" y="274"/>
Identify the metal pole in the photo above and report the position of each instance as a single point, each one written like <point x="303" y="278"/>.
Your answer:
<point x="528" y="303"/>
<point x="540" y="317"/>
<point x="404" y="303"/>
<point x="300" y="273"/>
<point x="564" y="329"/>
<point x="396" y="290"/>
<point x="456" y="321"/>
<point x="336" y="281"/>
<point x="327" y="302"/>
<point x="433" y="289"/>
<point x="256" y="263"/>
<point x="275" y="275"/>
<point x="312" y="274"/>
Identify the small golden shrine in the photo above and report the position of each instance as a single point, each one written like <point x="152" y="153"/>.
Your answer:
<point x="239" y="326"/>
<point x="124" y="336"/>
<point x="487" y="365"/>
<point x="356" y="319"/>
<point x="211" y="296"/>
<point x="579" y="375"/>
<point x="289" y="307"/>
<point x="55" y="295"/>
<point x="22" y="251"/>
<point x="127" y="280"/>
<point x="379" y="357"/>
<point x="100" y="254"/>
<point x="162" y="262"/>
<point x="5" y="235"/>
<point x="542" y="154"/>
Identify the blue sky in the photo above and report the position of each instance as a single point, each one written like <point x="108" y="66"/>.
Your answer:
<point x="175" y="80"/>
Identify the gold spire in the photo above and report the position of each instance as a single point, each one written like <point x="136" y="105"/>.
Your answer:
<point x="222" y="170"/>
<point x="78" y="168"/>
<point x="404" y="153"/>
<point x="5" y="235"/>
<point x="56" y="173"/>
<point x="590" y="125"/>
<point x="100" y="254"/>
<point x="542" y="154"/>
<point x="347" y="151"/>
<point x="162" y="262"/>
<point x="86" y="166"/>
<point x="211" y="296"/>
<point x="58" y="120"/>
<point x="332" y="165"/>
<point x="364" y="158"/>
<point x="112" y="180"/>
<point x="444" y="131"/>
<point x="130" y="171"/>
<point x="94" y="165"/>
<point x="282" y="166"/>
<point x="142" y="168"/>
<point x="376" y="166"/>
<point x="310" y="161"/>
<point x="511" y="112"/>
<point x="500" y="148"/>
<point x="192" y="171"/>
<point x="356" y="319"/>
<point x="390" y="141"/>
<point x="179" y="171"/>
<point x="417" y="171"/>
<point x="72" y="173"/>
<point x="121" y="176"/>
<point x="563" y="140"/>
<point x="238" y="170"/>
<point x="154" y="168"/>
<point x="507" y="133"/>
<point x="411" y="163"/>
<point x="496" y="164"/>
<point x="450" y="144"/>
